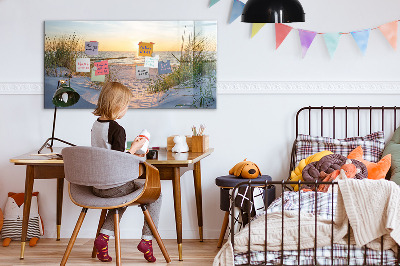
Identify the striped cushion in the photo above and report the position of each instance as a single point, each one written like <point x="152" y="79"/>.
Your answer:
<point x="13" y="228"/>
<point x="372" y="145"/>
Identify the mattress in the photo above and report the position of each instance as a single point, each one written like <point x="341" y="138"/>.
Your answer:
<point x="322" y="204"/>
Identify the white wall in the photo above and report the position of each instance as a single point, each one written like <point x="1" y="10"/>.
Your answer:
<point x="258" y="127"/>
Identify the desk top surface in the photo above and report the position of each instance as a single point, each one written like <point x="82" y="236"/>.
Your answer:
<point x="164" y="157"/>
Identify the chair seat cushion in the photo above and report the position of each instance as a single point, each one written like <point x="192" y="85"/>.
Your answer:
<point x="83" y="195"/>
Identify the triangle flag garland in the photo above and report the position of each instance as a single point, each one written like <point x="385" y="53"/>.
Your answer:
<point x="332" y="41"/>
<point x="306" y="39"/>
<point x="237" y="9"/>
<point x="361" y="37"/>
<point x="213" y="2"/>
<point x="255" y="28"/>
<point x="281" y="31"/>
<point x="389" y="30"/>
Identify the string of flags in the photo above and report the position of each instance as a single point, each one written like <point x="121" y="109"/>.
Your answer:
<point x="361" y="37"/>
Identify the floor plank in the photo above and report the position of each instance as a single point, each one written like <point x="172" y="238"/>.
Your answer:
<point x="49" y="252"/>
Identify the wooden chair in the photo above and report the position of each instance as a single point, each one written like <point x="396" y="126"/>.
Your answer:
<point x="85" y="167"/>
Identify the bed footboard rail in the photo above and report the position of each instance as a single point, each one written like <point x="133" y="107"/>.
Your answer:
<point x="313" y="259"/>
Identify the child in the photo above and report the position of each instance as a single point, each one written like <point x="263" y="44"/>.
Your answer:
<point x="107" y="133"/>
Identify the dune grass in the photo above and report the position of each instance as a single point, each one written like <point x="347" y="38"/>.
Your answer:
<point x="196" y="61"/>
<point x="61" y="52"/>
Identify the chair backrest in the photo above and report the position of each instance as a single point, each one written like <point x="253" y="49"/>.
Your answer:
<point x="92" y="166"/>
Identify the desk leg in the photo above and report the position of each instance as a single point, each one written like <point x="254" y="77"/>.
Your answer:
<point x="27" y="206"/>
<point x="60" y="190"/>
<point x="176" y="183"/>
<point x="199" y="204"/>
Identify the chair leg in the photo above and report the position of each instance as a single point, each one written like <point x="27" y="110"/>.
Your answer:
<point x="101" y="222"/>
<point x="223" y="229"/>
<point x="73" y="237"/>
<point x="154" y="230"/>
<point x="117" y="239"/>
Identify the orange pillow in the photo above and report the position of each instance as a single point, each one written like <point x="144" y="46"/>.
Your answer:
<point x="375" y="170"/>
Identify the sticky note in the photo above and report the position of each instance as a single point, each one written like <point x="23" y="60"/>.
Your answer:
<point x="151" y="61"/>
<point x="102" y="67"/>
<point x="142" y="72"/>
<point x="83" y="65"/>
<point x="100" y="78"/>
<point x="145" y="48"/>
<point x="91" y="48"/>
<point x="164" y="67"/>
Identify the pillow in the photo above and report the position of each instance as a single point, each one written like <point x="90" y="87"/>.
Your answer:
<point x="296" y="174"/>
<point x="393" y="148"/>
<point x="372" y="144"/>
<point x="375" y="170"/>
<point x="329" y="164"/>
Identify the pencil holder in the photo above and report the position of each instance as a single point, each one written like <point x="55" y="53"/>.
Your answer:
<point x="200" y="143"/>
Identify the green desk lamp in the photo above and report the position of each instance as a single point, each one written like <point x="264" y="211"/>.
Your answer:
<point x="63" y="97"/>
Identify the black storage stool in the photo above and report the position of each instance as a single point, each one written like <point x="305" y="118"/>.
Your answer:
<point x="228" y="182"/>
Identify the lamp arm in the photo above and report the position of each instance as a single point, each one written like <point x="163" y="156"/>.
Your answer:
<point x="46" y="143"/>
<point x="54" y="126"/>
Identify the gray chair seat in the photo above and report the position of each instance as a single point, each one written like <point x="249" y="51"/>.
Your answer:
<point x="83" y="196"/>
<point x="85" y="167"/>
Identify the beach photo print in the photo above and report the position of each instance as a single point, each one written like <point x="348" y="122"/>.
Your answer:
<point x="166" y="64"/>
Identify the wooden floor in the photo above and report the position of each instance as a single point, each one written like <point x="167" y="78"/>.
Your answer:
<point x="50" y="252"/>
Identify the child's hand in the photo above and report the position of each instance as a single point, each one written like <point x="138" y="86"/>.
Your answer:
<point x="137" y="144"/>
<point x="143" y="155"/>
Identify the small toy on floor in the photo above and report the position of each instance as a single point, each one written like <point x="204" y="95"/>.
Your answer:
<point x="13" y="215"/>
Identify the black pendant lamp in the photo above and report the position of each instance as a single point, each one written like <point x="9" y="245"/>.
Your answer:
<point x="273" y="11"/>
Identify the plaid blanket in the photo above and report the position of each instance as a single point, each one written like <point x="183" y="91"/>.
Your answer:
<point x="323" y="205"/>
<point x="324" y="257"/>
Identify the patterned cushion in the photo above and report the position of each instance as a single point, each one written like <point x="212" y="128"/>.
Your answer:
<point x="372" y="144"/>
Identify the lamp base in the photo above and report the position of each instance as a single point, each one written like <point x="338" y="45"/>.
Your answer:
<point x="50" y="146"/>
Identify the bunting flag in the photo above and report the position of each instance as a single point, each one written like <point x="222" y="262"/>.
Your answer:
<point x="361" y="37"/>
<point x="213" y="2"/>
<point x="255" y="28"/>
<point x="237" y="9"/>
<point x="389" y="30"/>
<point x="332" y="41"/>
<point x="281" y="31"/>
<point x="306" y="39"/>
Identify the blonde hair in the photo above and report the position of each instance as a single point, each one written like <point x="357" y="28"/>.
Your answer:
<point x="112" y="99"/>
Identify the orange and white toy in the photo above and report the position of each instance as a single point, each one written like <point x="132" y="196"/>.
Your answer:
<point x="13" y="215"/>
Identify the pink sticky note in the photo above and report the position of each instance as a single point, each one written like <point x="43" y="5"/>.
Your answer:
<point x="102" y="68"/>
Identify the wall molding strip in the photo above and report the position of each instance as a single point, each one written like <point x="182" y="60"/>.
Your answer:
<point x="259" y="87"/>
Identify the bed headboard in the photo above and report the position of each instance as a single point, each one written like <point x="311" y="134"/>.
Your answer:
<point x="344" y="121"/>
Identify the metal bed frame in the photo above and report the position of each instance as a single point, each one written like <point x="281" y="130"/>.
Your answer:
<point x="283" y="184"/>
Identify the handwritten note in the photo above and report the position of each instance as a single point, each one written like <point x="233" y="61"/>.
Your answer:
<point x="91" y="48"/>
<point x="145" y="48"/>
<point x="142" y="72"/>
<point x="102" y="67"/>
<point x="151" y="61"/>
<point x="164" y="67"/>
<point x="100" y="78"/>
<point x="83" y="65"/>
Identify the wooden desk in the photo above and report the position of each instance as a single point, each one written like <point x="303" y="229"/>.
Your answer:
<point x="171" y="167"/>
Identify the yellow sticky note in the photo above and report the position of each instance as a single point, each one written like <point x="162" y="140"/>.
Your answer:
<point x="100" y="78"/>
<point x="146" y="48"/>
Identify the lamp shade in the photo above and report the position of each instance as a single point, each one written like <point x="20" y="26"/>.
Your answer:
<point x="273" y="11"/>
<point x="65" y="96"/>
